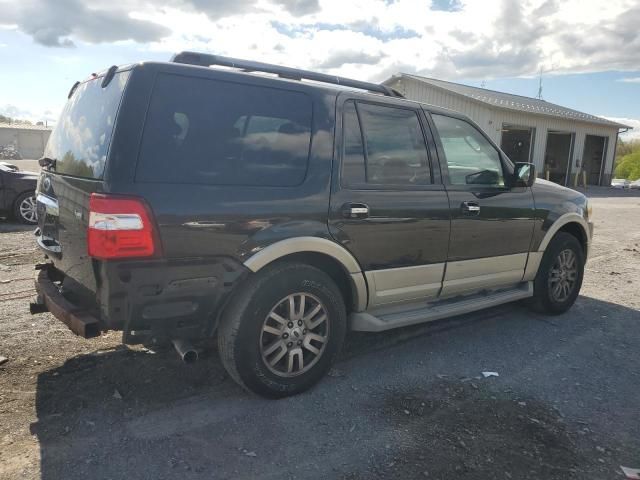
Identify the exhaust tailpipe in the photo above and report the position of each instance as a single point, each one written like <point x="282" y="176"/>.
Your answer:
<point x="187" y="352"/>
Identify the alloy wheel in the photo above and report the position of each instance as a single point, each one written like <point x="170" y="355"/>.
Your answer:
<point x="27" y="209"/>
<point x="294" y="335"/>
<point x="563" y="275"/>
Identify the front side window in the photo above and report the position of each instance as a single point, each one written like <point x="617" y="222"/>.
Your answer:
<point x="471" y="159"/>
<point x="201" y="131"/>
<point x="394" y="151"/>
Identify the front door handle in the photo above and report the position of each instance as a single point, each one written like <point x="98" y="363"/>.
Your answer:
<point x="355" y="210"/>
<point x="470" y="208"/>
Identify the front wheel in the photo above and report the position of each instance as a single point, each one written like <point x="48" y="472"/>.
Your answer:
<point x="283" y="331"/>
<point x="25" y="208"/>
<point x="559" y="277"/>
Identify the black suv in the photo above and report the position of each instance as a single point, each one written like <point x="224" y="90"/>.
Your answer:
<point x="277" y="208"/>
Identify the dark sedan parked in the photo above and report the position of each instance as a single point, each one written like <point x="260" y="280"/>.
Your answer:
<point x="17" y="193"/>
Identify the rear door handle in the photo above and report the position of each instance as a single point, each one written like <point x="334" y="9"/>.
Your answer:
<point x="470" y="208"/>
<point x="355" y="210"/>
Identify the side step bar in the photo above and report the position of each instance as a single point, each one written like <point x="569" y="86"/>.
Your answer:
<point x="367" y="322"/>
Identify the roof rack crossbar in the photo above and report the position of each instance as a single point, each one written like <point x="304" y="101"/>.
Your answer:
<point x="206" y="60"/>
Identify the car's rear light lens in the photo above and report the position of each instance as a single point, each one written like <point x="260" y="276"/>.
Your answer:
<point x="119" y="227"/>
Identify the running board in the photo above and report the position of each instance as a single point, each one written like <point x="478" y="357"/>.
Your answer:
<point x="367" y="322"/>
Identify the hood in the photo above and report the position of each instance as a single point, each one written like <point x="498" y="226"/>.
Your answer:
<point x="558" y="197"/>
<point x="27" y="175"/>
<point x="560" y="188"/>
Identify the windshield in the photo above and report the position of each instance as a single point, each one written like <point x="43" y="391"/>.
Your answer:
<point x="80" y="140"/>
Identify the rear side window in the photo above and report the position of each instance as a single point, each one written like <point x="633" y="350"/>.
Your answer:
<point x="353" y="162"/>
<point x="201" y="131"/>
<point x="80" y="140"/>
<point x="393" y="152"/>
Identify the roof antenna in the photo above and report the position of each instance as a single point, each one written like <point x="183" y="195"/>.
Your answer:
<point x="540" y="86"/>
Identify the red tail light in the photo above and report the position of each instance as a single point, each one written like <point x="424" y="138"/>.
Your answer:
<point x="119" y="227"/>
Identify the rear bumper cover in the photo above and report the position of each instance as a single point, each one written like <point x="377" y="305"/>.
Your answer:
<point x="149" y="301"/>
<point x="79" y="320"/>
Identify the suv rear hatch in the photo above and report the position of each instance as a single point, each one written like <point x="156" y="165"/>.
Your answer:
<point x="77" y="154"/>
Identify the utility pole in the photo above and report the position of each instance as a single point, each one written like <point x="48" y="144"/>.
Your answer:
<point x="540" y="86"/>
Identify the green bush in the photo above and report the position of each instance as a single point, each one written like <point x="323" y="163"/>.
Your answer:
<point x="629" y="166"/>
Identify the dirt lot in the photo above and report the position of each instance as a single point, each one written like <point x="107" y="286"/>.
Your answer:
<point x="405" y="404"/>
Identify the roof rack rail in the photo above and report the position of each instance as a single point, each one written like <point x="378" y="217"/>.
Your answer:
<point x="206" y="60"/>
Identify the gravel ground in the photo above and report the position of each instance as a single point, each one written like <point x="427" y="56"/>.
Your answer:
<point x="403" y="404"/>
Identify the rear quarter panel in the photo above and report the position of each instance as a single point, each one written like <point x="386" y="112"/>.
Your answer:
<point x="199" y="220"/>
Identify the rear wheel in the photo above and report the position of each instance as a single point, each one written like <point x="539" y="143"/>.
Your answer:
<point x="559" y="277"/>
<point x="281" y="334"/>
<point x="24" y="209"/>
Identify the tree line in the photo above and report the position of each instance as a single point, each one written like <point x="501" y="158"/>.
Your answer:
<point x="628" y="160"/>
<point x="5" y="119"/>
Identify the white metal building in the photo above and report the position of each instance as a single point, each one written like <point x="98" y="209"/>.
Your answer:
<point x="28" y="140"/>
<point x="561" y="142"/>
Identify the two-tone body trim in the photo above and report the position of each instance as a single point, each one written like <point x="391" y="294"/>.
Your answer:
<point x="491" y="272"/>
<point x="404" y="284"/>
<point x="561" y="222"/>
<point x="290" y="246"/>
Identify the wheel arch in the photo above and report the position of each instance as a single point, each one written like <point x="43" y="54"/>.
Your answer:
<point x="14" y="202"/>
<point x="324" y="254"/>
<point x="571" y="223"/>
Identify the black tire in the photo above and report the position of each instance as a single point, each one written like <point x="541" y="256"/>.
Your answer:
<point x="18" y="213"/>
<point x="544" y="300"/>
<point x="241" y="340"/>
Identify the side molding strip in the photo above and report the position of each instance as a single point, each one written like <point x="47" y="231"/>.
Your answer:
<point x="317" y="245"/>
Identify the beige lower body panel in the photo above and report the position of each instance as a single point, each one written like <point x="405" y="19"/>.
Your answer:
<point x="483" y="273"/>
<point x="532" y="266"/>
<point x="404" y="284"/>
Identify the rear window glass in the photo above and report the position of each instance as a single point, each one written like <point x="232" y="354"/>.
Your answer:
<point x="80" y="140"/>
<point x="201" y="131"/>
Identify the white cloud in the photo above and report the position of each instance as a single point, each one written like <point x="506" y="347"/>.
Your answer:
<point x="630" y="80"/>
<point x="474" y="39"/>
<point x="366" y="39"/>
<point x="632" y="122"/>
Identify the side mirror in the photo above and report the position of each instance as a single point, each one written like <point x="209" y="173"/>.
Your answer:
<point x="524" y="175"/>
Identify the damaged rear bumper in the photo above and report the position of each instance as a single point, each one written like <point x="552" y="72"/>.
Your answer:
<point x="78" y="319"/>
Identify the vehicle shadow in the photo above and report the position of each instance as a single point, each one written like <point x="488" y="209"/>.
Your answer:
<point x="131" y="413"/>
